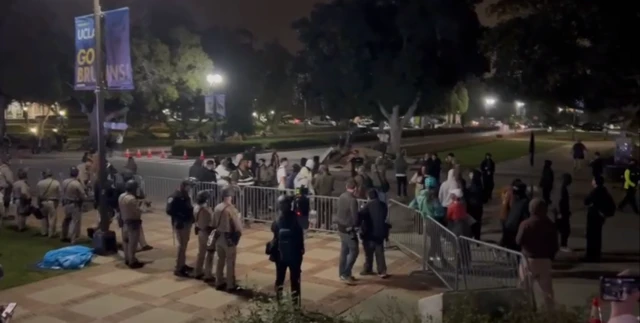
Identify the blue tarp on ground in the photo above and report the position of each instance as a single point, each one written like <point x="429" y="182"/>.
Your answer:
<point x="72" y="257"/>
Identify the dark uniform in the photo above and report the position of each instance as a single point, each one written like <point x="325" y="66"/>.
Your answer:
<point x="180" y="209"/>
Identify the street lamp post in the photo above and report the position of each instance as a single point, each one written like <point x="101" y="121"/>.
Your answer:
<point x="99" y="115"/>
<point x="214" y="80"/>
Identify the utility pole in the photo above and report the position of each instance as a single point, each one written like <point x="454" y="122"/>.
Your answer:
<point x="99" y="115"/>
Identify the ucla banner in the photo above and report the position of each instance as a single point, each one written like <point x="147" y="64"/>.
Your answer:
<point x="118" y="73"/>
<point x="85" y="54"/>
<point x="116" y="31"/>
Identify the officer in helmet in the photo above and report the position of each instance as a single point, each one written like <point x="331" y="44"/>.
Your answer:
<point x="180" y="209"/>
<point x="22" y="199"/>
<point x="131" y="223"/>
<point x="48" y="199"/>
<point x="73" y="195"/>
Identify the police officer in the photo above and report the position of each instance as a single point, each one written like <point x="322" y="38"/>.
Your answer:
<point x="48" y="199"/>
<point x="22" y="199"/>
<point x="131" y="223"/>
<point x="203" y="214"/>
<point x="180" y="209"/>
<point x="227" y="222"/>
<point x="73" y="195"/>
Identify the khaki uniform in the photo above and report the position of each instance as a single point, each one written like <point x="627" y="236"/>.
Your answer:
<point x="22" y="200"/>
<point x="48" y="199"/>
<point x="84" y="175"/>
<point x="226" y="219"/>
<point x="131" y="216"/>
<point x="6" y="181"/>
<point x="204" y="261"/>
<point x="73" y="194"/>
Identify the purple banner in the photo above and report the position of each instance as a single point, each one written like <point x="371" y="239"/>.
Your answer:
<point x="118" y="71"/>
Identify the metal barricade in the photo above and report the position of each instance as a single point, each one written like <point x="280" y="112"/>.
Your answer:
<point x="488" y="265"/>
<point x="158" y="189"/>
<point x="441" y="253"/>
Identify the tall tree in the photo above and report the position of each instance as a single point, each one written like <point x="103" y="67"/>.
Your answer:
<point x="276" y="94"/>
<point x="566" y="53"/>
<point x="389" y="57"/>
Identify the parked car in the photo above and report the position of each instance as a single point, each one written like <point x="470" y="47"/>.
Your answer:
<point x="321" y="121"/>
<point x="591" y="126"/>
<point x="289" y="119"/>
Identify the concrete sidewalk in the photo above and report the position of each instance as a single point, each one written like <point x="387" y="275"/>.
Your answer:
<point x="108" y="292"/>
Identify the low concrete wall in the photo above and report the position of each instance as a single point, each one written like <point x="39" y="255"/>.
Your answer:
<point x="433" y="309"/>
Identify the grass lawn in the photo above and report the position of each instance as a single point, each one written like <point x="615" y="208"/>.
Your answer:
<point x="19" y="254"/>
<point x="501" y="150"/>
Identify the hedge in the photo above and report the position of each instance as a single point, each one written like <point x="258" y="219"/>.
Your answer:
<point x="193" y="149"/>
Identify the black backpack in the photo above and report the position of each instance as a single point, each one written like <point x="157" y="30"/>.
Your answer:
<point x="285" y="245"/>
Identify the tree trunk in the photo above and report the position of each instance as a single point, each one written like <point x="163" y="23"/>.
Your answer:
<point x="396" y="123"/>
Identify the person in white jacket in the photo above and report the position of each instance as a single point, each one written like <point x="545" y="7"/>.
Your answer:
<point x="444" y="195"/>
<point x="305" y="177"/>
<point x="281" y="174"/>
<point x="223" y="173"/>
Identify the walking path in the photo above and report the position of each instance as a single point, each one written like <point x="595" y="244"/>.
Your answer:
<point x="108" y="292"/>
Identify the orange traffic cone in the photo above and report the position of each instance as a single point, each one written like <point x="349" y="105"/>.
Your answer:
<point x="138" y="154"/>
<point x="596" y="313"/>
<point x="163" y="155"/>
<point x="127" y="153"/>
<point x="201" y="154"/>
<point x="184" y="155"/>
<point x="149" y="154"/>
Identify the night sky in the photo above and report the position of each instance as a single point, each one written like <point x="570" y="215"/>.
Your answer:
<point x="266" y="19"/>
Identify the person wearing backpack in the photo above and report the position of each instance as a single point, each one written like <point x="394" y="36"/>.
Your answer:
<point x="600" y="206"/>
<point x="286" y="249"/>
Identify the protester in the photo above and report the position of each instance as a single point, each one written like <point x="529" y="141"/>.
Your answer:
<point x="196" y="170"/>
<point x="546" y="181"/>
<point x="374" y="230"/>
<point x="600" y="205"/>
<point x="275" y="161"/>
<point x="346" y="220"/>
<point x="401" y="167"/>
<point x="281" y="173"/>
<point x="451" y="160"/>
<point x="223" y="173"/>
<point x="382" y="184"/>
<point x="418" y="180"/>
<point x="291" y="178"/>
<point x="563" y="213"/>
<point x="459" y="222"/>
<point x="324" y="182"/>
<point x="518" y="212"/>
<point x="597" y="165"/>
<point x="631" y="180"/>
<point x="578" y="151"/>
<point x="131" y="165"/>
<point x="474" y="197"/>
<point x="427" y="204"/>
<point x="488" y="169"/>
<point x="539" y="243"/>
<point x="316" y="165"/>
<point x="286" y="250"/>
<point x="263" y="174"/>
<point x="209" y="172"/>
<point x="305" y="177"/>
<point x="449" y="185"/>
<point x="363" y="181"/>
<point x="436" y="167"/>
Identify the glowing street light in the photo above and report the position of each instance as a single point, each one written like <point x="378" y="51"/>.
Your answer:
<point x="62" y="113"/>
<point x="33" y="130"/>
<point x="214" y="79"/>
<point x="489" y="102"/>
<point x="272" y="112"/>
<point x="255" y="114"/>
<point x="519" y="104"/>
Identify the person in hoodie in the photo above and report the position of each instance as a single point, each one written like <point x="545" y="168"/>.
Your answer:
<point x="444" y="195"/>
<point x="546" y="181"/>
<point x="374" y="230"/>
<point x="223" y="173"/>
<point x="305" y="177"/>
<point x="196" y="170"/>
<point x="281" y="173"/>
<point x="600" y="206"/>
<point x="474" y="197"/>
<point x="400" y="165"/>
<point x="488" y="169"/>
<point x="518" y="212"/>
<point x="427" y="204"/>
<point x="562" y="213"/>
<point x="539" y="243"/>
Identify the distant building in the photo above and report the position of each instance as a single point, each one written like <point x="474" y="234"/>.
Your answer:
<point x="17" y="110"/>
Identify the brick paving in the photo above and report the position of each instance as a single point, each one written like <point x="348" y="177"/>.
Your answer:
<point x="110" y="292"/>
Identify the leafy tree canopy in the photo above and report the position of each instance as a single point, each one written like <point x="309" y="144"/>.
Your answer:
<point x="566" y="52"/>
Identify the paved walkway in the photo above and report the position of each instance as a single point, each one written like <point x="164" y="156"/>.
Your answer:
<point x="109" y="292"/>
